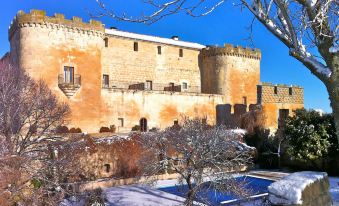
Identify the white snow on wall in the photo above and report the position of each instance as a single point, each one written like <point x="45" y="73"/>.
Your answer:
<point x="289" y="189"/>
<point x="130" y="35"/>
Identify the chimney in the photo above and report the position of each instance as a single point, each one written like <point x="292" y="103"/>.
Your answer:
<point x="176" y="38"/>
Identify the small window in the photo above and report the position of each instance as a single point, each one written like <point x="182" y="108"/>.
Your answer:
<point x="121" y="122"/>
<point x="175" y="122"/>
<point x="244" y="100"/>
<point x="148" y="85"/>
<point x="275" y="90"/>
<point x="184" y="86"/>
<point x="136" y="46"/>
<point x="159" y="50"/>
<point x="107" y="168"/>
<point x="204" y="120"/>
<point x="105" y="81"/>
<point x="181" y="52"/>
<point x="290" y="91"/>
<point x="106" y="42"/>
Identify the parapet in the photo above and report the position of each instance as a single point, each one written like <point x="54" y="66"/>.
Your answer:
<point x="39" y="17"/>
<point x="280" y="93"/>
<point x="231" y="50"/>
<point x="269" y="84"/>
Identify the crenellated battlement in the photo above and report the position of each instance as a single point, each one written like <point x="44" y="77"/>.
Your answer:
<point x="280" y="93"/>
<point x="39" y="18"/>
<point x="231" y="50"/>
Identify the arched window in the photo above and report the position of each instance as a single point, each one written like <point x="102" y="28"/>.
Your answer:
<point x="143" y="124"/>
<point x="107" y="168"/>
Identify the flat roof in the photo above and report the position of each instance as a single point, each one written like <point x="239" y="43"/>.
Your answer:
<point x="156" y="39"/>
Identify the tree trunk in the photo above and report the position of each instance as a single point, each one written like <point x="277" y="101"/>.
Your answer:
<point x="333" y="91"/>
<point x="190" y="195"/>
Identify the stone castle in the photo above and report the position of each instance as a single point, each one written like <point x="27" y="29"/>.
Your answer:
<point x="112" y="77"/>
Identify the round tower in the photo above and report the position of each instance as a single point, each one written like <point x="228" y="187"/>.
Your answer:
<point x="232" y="71"/>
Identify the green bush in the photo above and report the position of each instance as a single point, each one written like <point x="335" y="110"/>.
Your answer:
<point x="104" y="129"/>
<point x="136" y="128"/>
<point x="61" y="130"/>
<point x="311" y="139"/>
<point x="75" y="130"/>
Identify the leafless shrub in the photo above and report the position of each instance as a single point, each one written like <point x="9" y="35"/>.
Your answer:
<point x="198" y="153"/>
<point x="29" y="113"/>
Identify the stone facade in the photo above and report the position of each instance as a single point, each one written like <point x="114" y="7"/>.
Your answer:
<point x="278" y="102"/>
<point x="125" y="79"/>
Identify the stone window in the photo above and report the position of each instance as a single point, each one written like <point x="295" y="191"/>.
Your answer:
<point x="275" y="90"/>
<point x="136" y="46"/>
<point x="175" y="122"/>
<point x="159" y="50"/>
<point x="290" y="91"/>
<point x="106" y="42"/>
<point x="121" y="122"/>
<point x="68" y="75"/>
<point x="181" y="52"/>
<point x="105" y="80"/>
<point x="107" y="168"/>
<point x="244" y="100"/>
<point x="184" y="86"/>
<point x="148" y="85"/>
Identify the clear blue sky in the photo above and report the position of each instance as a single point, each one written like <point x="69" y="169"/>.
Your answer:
<point x="225" y="25"/>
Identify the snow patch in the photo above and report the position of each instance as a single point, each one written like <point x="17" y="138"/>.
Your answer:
<point x="334" y="49"/>
<point x="311" y="3"/>
<point x="289" y="189"/>
<point x="130" y="35"/>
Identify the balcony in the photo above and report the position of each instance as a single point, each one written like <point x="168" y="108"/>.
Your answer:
<point x="69" y="86"/>
<point x="150" y="86"/>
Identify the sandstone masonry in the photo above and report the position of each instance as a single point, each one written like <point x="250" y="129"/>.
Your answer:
<point x="113" y="77"/>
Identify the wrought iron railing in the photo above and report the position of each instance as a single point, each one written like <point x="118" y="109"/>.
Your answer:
<point x="154" y="86"/>
<point x="76" y="81"/>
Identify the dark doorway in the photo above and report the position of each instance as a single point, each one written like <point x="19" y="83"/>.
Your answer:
<point x="143" y="124"/>
<point x="283" y="115"/>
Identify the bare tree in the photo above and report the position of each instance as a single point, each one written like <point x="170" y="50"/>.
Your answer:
<point x="309" y="28"/>
<point x="29" y="113"/>
<point x="197" y="153"/>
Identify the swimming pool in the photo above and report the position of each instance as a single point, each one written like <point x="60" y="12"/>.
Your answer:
<point x="256" y="185"/>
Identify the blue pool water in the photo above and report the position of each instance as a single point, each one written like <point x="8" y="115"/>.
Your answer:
<point x="255" y="185"/>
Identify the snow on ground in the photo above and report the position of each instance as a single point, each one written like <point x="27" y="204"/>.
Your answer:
<point x="289" y="189"/>
<point x="137" y="195"/>
<point x="141" y="195"/>
<point x="334" y="190"/>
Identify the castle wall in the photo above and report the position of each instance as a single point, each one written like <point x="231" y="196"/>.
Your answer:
<point x="44" y="48"/>
<point x="276" y="97"/>
<point x="160" y="109"/>
<point x="43" y="45"/>
<point x="126" y="66"/>
<point x="231" y="71"/>
<point x="215" y="76"/>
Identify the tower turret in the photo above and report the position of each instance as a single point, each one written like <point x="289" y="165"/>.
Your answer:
<point x="232" y="71"/>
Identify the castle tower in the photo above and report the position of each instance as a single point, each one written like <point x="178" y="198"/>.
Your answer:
<point x="231" y="71"/>
<point x="66" y="54"/>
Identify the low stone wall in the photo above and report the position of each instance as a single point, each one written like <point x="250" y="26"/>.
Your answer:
<point x="301" y="189"/>
<point x="106" y="183"/>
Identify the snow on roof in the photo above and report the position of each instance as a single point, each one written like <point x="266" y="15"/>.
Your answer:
<point x="156" y="39"/>
<point x="289" y="189"/>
